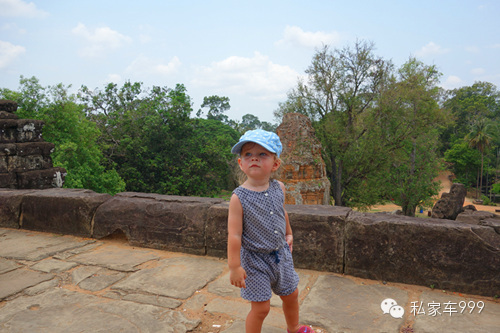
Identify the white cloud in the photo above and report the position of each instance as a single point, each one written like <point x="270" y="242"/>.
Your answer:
<point x="295" y="36"/>
<point x="431" y="49"/>
<point x="19" y="8"/>
<point x="99" y="41"/>
<point x="477" y="71"/>
<point x="146" y="66"/>
<point x="115" y="78"/>
<point x="257" y="76"/>
<point x="452" y="82"/>
<point x="9" y="52"/>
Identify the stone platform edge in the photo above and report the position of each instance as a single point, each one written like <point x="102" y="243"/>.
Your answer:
<point x="453" y="255"/>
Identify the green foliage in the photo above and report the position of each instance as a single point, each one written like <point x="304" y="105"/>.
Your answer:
<point x="463" y="162"/>
<point x="156" y="146"/>
<point x="217" y="106"/>
<point x="496" y="188"/>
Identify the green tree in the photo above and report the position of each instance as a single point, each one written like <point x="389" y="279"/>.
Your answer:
<point x="464" y="162"/>
<point x="340" y="97"/>
<point x="466" y="105"/>
<point x="480" y="137"/>
<point x="156" y="146"/>
<point x="217" y="106"/>
<point x="412" y="103"/>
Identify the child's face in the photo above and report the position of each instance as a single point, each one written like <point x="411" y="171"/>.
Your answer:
<point x="257" y="162"/>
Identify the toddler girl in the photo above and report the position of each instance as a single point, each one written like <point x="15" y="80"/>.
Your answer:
<point x="260" y="238"/>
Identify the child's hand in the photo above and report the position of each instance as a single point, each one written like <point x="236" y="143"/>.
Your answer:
<point x="237" y="277"/>
<point x="289" y="241"/>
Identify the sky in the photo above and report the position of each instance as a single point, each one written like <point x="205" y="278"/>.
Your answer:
<point x="253" y="52"/>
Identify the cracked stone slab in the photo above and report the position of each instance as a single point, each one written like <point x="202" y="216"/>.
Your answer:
<point x="81" y="273"/>
<point x="42" y="287"/>
<point x="470" y="320"/>
<point x="8" y="265"/>
<point x="68" y="254"/>
<point x="60" y="310"/>
<point x="23" y="245"/>
<point x="53" y="266"/>
<point x="156" y="300"/>
<point x="16" y="281"/>
<point x="341" y="305"/>
<point x="176" y="277"/>
<point x="101" y="279"/>
<point x="116" y="258"/>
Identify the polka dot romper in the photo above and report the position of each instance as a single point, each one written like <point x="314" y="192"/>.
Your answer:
<point x="265" y="255"/>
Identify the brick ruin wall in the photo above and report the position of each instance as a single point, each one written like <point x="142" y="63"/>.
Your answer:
<point x="303" y="170"/>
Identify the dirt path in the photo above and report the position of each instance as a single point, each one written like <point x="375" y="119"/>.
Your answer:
<point x="444" y="178"/>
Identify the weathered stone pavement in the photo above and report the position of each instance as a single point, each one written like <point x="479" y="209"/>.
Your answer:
<point x="53" y="283"/>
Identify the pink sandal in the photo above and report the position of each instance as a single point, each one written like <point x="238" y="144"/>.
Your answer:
<point x="304" y="329"/>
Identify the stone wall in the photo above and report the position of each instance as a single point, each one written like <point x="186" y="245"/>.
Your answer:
<point x="453" y="255"/>
<point x="25" y="160"/>
<point x="303" y="170"/>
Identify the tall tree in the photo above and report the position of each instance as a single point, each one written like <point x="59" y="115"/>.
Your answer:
<point x="217" y="106"/>
<point x="480" y="137"/>
<point x="340" y="94"/>
<point x="411" y="100"/>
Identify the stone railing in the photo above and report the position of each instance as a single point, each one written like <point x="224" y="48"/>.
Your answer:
<point x="446" y="254"/>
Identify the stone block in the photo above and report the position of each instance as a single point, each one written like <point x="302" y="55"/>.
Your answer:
<point x="41" y="179"/>
<point x="20" y="130"/>
<point x="8" y="180"/>
<point x="165" y="222"/>
<point x="63" y="211"/>
<point x="19" y="163"/>
<point x="7" y="115"/>
<point x="10" y="207"/>
<point x="8" y="149"/>
<point x="35" y="148"/>
<point x="8" y="105"/>
<point x="318" y="236"/>
<point x="216" y="230"/>
<point x="443" y="253"/>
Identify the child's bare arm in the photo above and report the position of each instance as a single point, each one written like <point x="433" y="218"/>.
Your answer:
<point x="237" y="274"/>
<point x="289" y="233"/>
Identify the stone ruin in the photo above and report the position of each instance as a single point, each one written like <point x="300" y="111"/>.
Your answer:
<point x="303" y="170"/>
<point x="451" y="207"/>
<point x="25" y="161"/>
<point x="450" y="204"/>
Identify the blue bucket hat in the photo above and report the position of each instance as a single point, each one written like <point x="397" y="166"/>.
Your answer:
<point x="269" y="140"/>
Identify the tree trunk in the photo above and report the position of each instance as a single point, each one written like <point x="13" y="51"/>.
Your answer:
<point x="409" y="209"/>
<point x="477" y="184"/>
<point x="481" y="179"/>
<point x="336" y="178"/>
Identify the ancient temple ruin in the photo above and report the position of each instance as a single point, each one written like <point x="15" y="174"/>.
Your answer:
<point x="25" y="161"/>
<point x="303" y="170"/>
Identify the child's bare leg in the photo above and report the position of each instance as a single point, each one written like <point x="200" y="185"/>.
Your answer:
<point x="256" y="316"/>
<point x="291" y="310"/>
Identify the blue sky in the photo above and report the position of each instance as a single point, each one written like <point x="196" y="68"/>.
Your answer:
<point x="250" y="51"/>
